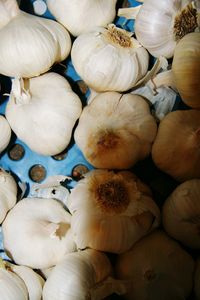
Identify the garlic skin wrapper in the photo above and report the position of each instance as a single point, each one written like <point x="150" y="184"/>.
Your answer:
<point x="181" y="213"/>
<point x="37" y="233"/>
<point x="8" y="193"/>
<point x="115" y="130"/>
<point x="80" y="16"/>
<point x="82" y="275"/>
<point x="30" y="45"/>
<point x="197" y="280"/>
<point x="160" y="25"/>
<point x="12" y="287"/>
<point x="109" y="59"/>
<point x="186" y="69"/>
<point x="42" y="111"/>
<point x="111" y="211"/>
<point x="176" y="149"/>
<point x="5" y="133"/>
<point x="157" y="267"/>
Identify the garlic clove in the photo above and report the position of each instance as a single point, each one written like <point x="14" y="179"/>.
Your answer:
<point x="109" y="59"/>
<point x="47" y="107"/>
<point x="8" y="193"/>
<point x="37" y="233"/>
<point x="111" y="123"/>
<point x="181" y="213"/>
<point x="5" y="133"/>
<point x="105" y="202"/>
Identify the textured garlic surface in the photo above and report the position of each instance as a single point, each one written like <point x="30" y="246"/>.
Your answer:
<point x="111" y="211"/>
<point x="109" y="59"/>
<point x="5" y="133"/>
<point x="115" y="131"/>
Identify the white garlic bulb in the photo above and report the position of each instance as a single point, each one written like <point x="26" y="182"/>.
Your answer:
<point x="80" y="16"/>
<point x="31" y="282"/>
<point x="160" y="25"/>
<point x="42" y="111"/>
<point x="37" y="233"/>
<point x="111" y="211"/>
<point x="181" y="211"/>
<point x="109" y="59"/>
<point x="5" y="133"/>
<point x="157" y="268"/>
<point x="8" y="193"/>
<point x="115" y="130"/>
<point x="30" y="45"/>
<point x="82" y="275"/>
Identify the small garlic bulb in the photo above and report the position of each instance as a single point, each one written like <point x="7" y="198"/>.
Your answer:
<point x="30" y="45"/>
<point x="186" y="69"/>
<point x="160" y="25"/>
<point x="181" y="213"/>
<point x="80" y="16"/>
<point x="176" y="149"/>
<point x="157" y="268"/>
<point x="109" y="59"/>
<point x="42" y="111"/>
<point x="12" y="287"/>
<point x="36" y="233"/>
<point x="8" y="193"/>
<point x="82" y="275"/>
<point x="111" y="211"/>
<point x="197" y="280"/>
<point x="5" y="133"/>
<point x="111" y="123"/>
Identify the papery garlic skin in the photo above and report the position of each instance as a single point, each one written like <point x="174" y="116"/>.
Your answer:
<point x="109" y="59"/>
<point x="111" y="211"/>
<point x="42" y="111"/>
<point x="160" y="25"/>
<point x="186" y="69"/>
<point x="8" y="193"/>
<point x="115" y="131"/>
<point x="5" y="133"/>
<point x="158" y="268"/>
<point x="37" y="233"/>
<point x="30" y="45"/>
<point x="77" y="275"/>
<point x="12" y="287"/>
<point x="176" y="150"/>
<point x="181" y="211"/>
<point x="80" y="16"/>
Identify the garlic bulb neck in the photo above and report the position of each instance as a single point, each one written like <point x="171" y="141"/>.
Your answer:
<point x="20" y="93"/>
<point x="118" y="36"/>
<point x="9" y="9"/>
<point x="186" y="21"/>
<point x="112" y="196"/>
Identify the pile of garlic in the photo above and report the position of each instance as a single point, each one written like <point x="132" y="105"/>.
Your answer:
<point x="107" y="235"/>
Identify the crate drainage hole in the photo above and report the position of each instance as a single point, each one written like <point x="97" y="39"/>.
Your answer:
<point x="78" y="171"/>
<point x="16" y="152"/>
<point x="37" y="173"/>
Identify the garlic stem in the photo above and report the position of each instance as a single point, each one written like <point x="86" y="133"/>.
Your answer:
<point x="9" y="9"/>
<point x="107" y="288"/>
<point x="130" y="12"/>
<point x="21" y="94"/>
<point x="163" y="79"/>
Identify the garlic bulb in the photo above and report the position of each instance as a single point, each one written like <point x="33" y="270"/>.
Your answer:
<point x="80" y="16"/>
<point x="115" y="130"/>
<point x="176" y="147"/>
<point x="160" y="25"/>
<point x="30" y="45"/>
<point x="42" y="111"/>
<point x="5" y="133"/>
<point x="111" y="211"/>
<point x="181" y="213"/>
<point x="8" y="193"/>
<point x="82" y="275"/>
<point x="158" y="268"/>
<point x="197" y="280"/>
<point x="109" y="59"/>
<point x="36" y="233"/>
<point x="12" y="287"/>
<point x="186" y="69"/>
